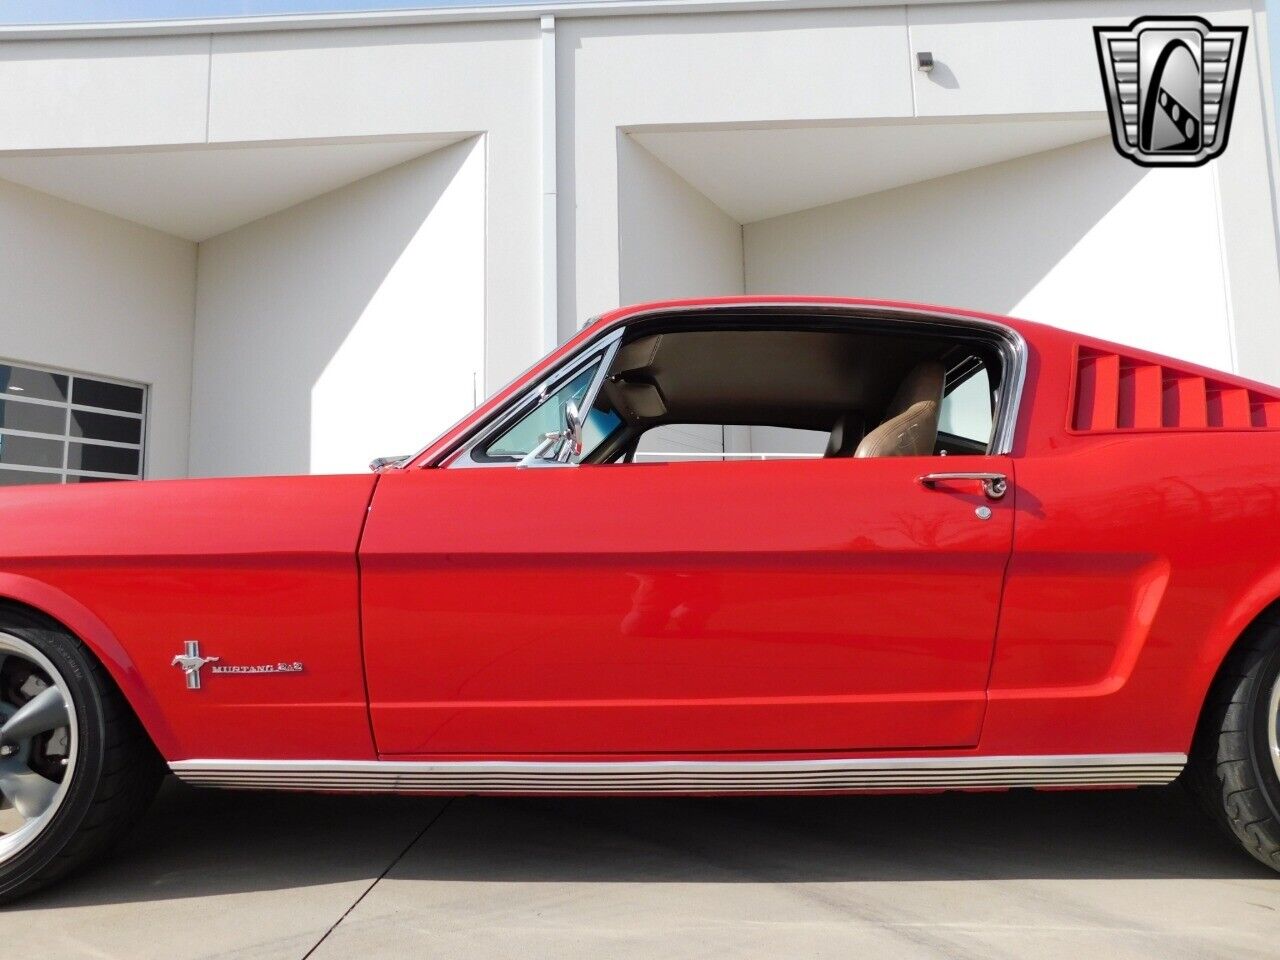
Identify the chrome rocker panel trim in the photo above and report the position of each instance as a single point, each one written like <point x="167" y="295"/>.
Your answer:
<point x="685" y="776"/>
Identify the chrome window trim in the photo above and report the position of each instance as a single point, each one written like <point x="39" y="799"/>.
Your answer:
<point x="687" y="776"/>
<point x="1012" y="346"/>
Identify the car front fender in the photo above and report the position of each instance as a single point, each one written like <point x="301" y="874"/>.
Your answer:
<point x="98" y="637"/>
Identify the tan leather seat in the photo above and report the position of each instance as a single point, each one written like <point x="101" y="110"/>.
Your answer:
<point x="910" y="428"/>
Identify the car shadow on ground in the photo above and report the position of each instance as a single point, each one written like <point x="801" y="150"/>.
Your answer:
<point x="201" y="842"/>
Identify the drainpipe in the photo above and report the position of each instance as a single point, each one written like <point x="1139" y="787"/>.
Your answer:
<point x="550" y="270"/>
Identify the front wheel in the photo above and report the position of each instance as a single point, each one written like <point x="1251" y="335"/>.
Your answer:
<point x="1235" y="761"/>
<point x="75" y="765"/>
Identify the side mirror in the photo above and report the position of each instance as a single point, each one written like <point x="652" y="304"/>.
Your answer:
<point x="381" y="463"/>
<point x="572" y="445"/>
<point x="561" y="446"/>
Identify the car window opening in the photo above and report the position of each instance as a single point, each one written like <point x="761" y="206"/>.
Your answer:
<point x="756" y="393"/>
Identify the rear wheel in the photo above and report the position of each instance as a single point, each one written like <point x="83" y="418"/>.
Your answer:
<point x="1235" y="762"/>
<point x="75" y="766"/>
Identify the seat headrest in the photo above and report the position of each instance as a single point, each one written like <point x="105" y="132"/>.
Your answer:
<point x="845" y="434"/>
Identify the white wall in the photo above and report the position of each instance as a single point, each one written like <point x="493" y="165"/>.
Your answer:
<point x="99" y="92"/>
<point x="785" y="440"/>
<point x="1071" y="237"/>
<point x="293" y="86"/>
<point x="1245" y="176"/>
<point x="672" y="241"/>
<point x="92" y="293"/>
<point x="618" y="72"/>
<point x="447" y="78"/>
<point x="790" y="67"/>
<point x="347" y="327"/>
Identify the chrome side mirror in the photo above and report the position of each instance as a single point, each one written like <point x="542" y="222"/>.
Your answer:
<point x="560" y="446"/>
<point x="381" y="463"/>
<point x="572" y="446"/>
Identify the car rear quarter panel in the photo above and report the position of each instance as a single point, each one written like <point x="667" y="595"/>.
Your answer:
<point x="1139" y="558"/>
<point x="257" y="570"/>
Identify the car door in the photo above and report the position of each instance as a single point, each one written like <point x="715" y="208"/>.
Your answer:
<point x="682" y="608"/>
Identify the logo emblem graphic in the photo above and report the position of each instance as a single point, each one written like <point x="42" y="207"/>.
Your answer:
<point x="191" y="662"/>
<point x="1170" y="84"/>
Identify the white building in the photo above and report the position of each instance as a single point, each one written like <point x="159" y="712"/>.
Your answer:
<point x="318" y="239"/>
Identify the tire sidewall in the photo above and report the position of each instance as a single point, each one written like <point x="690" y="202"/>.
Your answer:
<point x="1259" y="703"/>
<point x="76" y="671"/>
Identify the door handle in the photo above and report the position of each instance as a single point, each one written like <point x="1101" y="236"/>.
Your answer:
<point x="994" y="485"/>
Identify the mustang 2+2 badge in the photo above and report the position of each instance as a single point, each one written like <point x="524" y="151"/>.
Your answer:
<point x="192" y="663"/>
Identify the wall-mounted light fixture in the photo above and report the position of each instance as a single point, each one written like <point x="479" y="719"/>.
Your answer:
<point x="924" y="61"/>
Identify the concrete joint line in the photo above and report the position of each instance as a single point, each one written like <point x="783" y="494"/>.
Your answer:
<point x="378" y="879"/>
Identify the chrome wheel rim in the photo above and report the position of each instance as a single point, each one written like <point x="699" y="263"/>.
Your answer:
<point x="38" y="743"/>
<point x="1273" y="727"/>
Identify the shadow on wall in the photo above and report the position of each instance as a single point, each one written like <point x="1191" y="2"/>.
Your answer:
<point x="672" y="240"/>
<point x="343" y="328"/>
<point x="983" y="238"/>
<point x="1075" y="237"/>
<point x="943" y="76"/>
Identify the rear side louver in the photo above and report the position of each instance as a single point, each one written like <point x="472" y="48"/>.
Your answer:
<point x="1114" y="392"/>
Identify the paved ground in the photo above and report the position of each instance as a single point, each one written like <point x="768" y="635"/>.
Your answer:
<point x="1107" y="876"/>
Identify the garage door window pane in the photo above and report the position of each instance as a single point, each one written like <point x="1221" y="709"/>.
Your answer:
<point x="13" y="478"/>
<point x="48" y="436"/>
<point x="32" y="384"/>
<point x="30" y="451"/>
<point x="109" y="396"/>
<point x="33" y="417"/>
<point x="99" y="459"/>
<point x="104" y="426"/>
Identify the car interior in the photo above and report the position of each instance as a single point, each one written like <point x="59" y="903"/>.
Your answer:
<point x="856" y="391"/>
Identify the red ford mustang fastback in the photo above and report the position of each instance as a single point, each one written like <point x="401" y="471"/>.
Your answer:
<point x="1026" y="558"/>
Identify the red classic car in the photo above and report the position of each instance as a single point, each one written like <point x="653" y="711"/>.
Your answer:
<point x="947" y="551"/>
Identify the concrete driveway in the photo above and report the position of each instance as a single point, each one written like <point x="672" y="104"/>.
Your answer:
<point x="1022" y="875"/>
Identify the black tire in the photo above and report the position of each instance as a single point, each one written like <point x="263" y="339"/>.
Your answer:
<point x="116" y="772"/>
<point x="1231" y="768"/>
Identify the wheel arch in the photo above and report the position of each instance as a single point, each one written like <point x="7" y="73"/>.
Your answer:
<point x="1260" y="603"/>
<point x="49" y="603"/>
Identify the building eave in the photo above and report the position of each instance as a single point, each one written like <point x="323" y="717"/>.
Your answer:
<point x="419" y="16"/>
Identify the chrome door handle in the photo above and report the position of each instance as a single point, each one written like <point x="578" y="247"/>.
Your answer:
<point x="994" y="485"/>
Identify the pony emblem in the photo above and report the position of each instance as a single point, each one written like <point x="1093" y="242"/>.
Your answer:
<point x="191" y="663"/>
